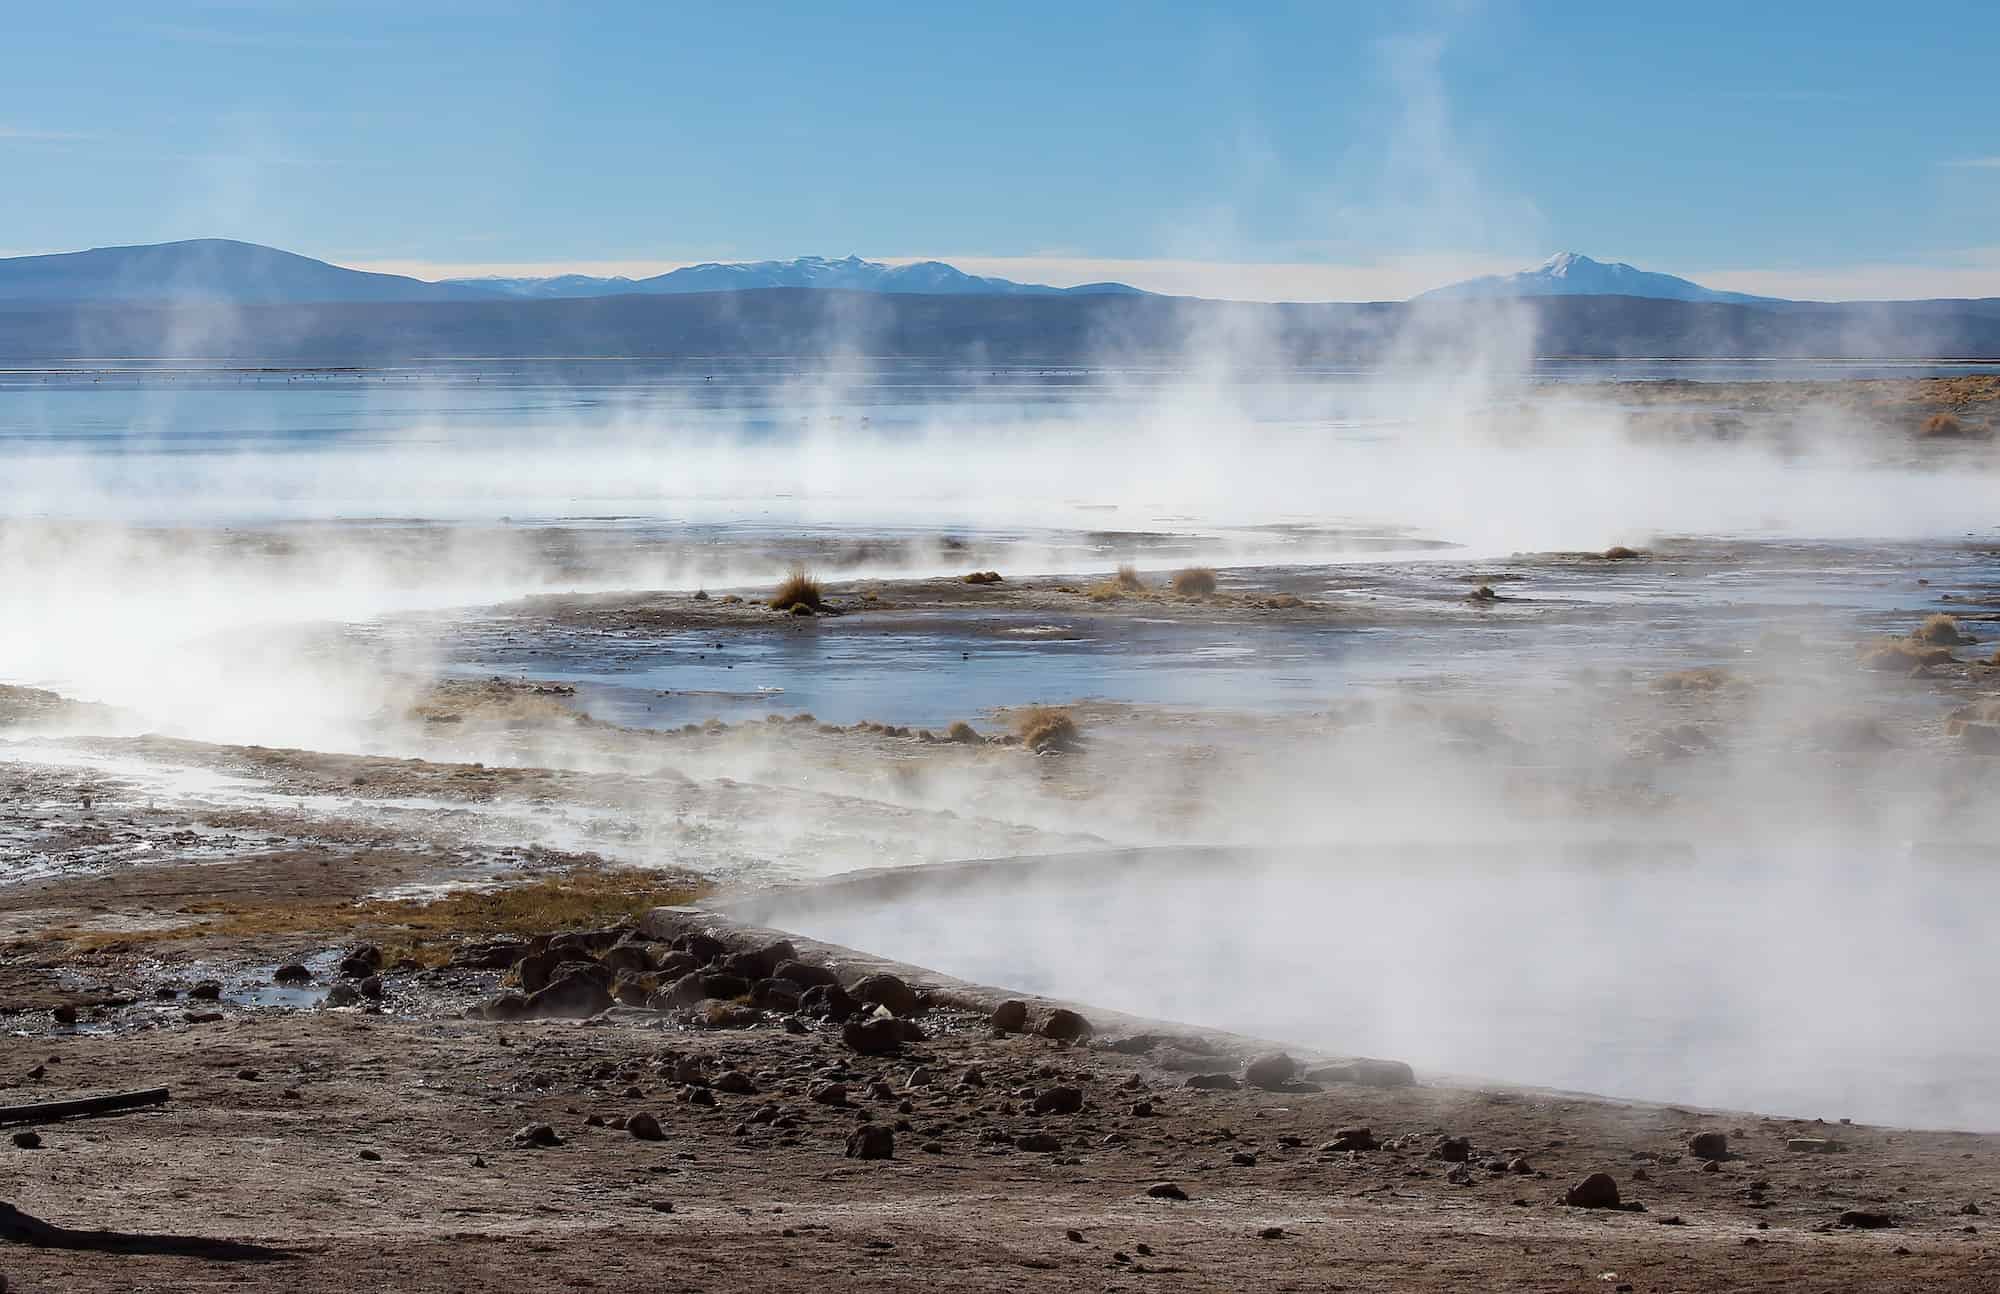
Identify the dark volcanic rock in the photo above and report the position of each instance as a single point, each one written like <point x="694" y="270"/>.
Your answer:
<point x="1059" y="1100"/>
<point x="506" y="1006"/>
<point x="1213" y="1082"/>
<point x="877" y="1037"/>
<point x="871" y="1141"/>
<point x="675" y="964"/>
<point x="628" y="959"/>
<point x="704" y="948"/>
<point x="537" y="969"/>
<point x="776" y="995"/>
<point x="1352" y="1139"/>
<point x="1709" y="1145"/>
<point x="579" y="992"/>
<point x="1270" y="1072"/>
<point x="829" y="1000"/>
<point x="1866" y="1219"/>
<point x="1166" y="1191"/>
<point x="537" y="1134"/>
<point x="488" y="954"/>
<point x="685" y="991"/>
<point x="886" y="990"/>
<point x="342" y="995"/>
<point x="734" y="1082"/>
<point x="1010" y="1016"/>
<point x="1065" y="1025"/>
<point x="361" y="961"/>
<point x="1452" y="1150"/>
<point x="1597" y="1191"/>
<point x="804" y="975"/>
<point x="292" y="973"/>
<point x="644" y="1127"/>
<point x="724" y="986"/>
<point x="206" y="991"/>
<point x="1045" y="1143"/>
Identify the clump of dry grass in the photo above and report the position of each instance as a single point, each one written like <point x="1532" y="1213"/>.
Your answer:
<point x="1284" y="602"/>
<point x="1708" y="678"/>
<point x="1903" y="654"/>
<point x="983" y="577"/>
<point x="1124" y="583"/>
<point x="1620" y="553"/>
<point x="799" y="589"/>
<point x="1940" y="630"/>
<point x="1046" y="728"/>
<point x="1484" y="593"/>
<point x="1983" y="711"/>
<point x="1194" y="582"/>
<point x="1946" y="426"/>
<point x="964" y="734"/>
<point x="427" y="930"/>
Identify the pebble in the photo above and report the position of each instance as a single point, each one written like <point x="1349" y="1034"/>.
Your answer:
<point x="1597" y="1191"/>
<point x="871" y="1141"/>
<point x="1165" y="1191"/>
<point x="1271" y="1233"/>
<point x="644" y="1127"/>
<point x="28" y="1140"/>
<point x="537" y="1134"/>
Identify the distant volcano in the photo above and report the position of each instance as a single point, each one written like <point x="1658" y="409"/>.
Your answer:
<point x="1571" y="274"/>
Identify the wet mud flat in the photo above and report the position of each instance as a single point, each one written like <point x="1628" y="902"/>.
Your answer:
<point x="371" y="1139"/>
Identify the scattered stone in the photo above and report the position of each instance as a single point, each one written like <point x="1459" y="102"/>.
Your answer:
<point x="1270" y="1072"/>
<point x="1352" y="1139"/>
<point x="1243" y="1159"/>
<point x="1597" y="1191"/>
<point x="1452" y="1150"/>
<point x="1065" y="1025"/>
<point x="28" y="1140"/>
<point x="1010" y="1016"/>
<point x="1059" y="1100"/>
<point x="361" y="961"/>
<point x="1213" y="1082"/>
<point x="207" y="991"/>
<point x="537" y="1134"/>
<point x="372" y="1156"/>
<point x="202" y="1017"/>
<point x="1814" y="1145"/>
<point x="1866" y="1219"/>
<point x="834" y="1094"/>
<point x="871" y="1141"/>
<point x="1709" y="1145"/>
<point x="373" y="989"/>
<point x="1142" y="1109"/>
<point x="1040" y="1142"/>
<point x="291" y="973"/>
<point x="342" y="994"/>
<point x="247" y="1075"/>
<point x="734" y="1082"/>
<point x="1165" y="1191"/>
<point x="1271" y="1233"/>
<point x="644" y="1127"/>
<point x="579" y="991"/>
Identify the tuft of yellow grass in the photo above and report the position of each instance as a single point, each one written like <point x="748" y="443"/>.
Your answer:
<point x="1707" y="678"/>
<point x="799" y="589"/>
<point x="1194" y="582"/>
<point x="964" y="733"/>
<point x="1903" y="654"/>
<point x="1941" y="630"/>
<point x="983" y="577"/>
<point x="1046" y="728"/>
<point x="1620" y="553"/>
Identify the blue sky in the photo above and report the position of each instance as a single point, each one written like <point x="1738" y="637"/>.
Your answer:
<point x="1261" y="150"/>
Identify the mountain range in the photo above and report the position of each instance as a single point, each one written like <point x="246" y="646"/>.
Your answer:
<point x="209" y="271"/>
<point x="213" y="299"/>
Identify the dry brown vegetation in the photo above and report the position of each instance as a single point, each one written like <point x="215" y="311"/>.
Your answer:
<point x="799" y="589"/>
<point x="1123" y="583"/>
<point x="426" y="930"/>
<point x="963" y="733"/>
<point x="983" y="577"/>
<point x="1708" y="678"/>
<point x="1903" y="654"/>
<point x="1194" y="582"/>
<point x="1046" y="728"/>
<point x="1940" y="630"/>
<point x="1620" y="553"/>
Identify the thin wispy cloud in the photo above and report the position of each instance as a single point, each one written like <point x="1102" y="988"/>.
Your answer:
<point x="1975" y="163"/>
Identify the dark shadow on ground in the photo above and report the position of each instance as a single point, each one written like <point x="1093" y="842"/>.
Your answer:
<point x="25" y="1229"/>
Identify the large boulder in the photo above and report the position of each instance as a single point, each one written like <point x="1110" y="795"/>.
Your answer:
<point x="804" y="974"/>
<point x="538" y="969"/>
<point x="1271" y="1072"/>
<point x="873" y="1037"/>
<point x="578" y="992"/>
<point x="886" y="990"/>
<point x="871" y="1141"/>
<point x="704" y="948"/>
<point x="1709" y="1145"/>
<point x="628" y="959"/>
<point x="829" y="1000"/>
<point x="1065" y="1026"/>
<point x="1010" y="1016"/>
<point x="1597" y="1191"/>
<point x="361" y="961"/>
